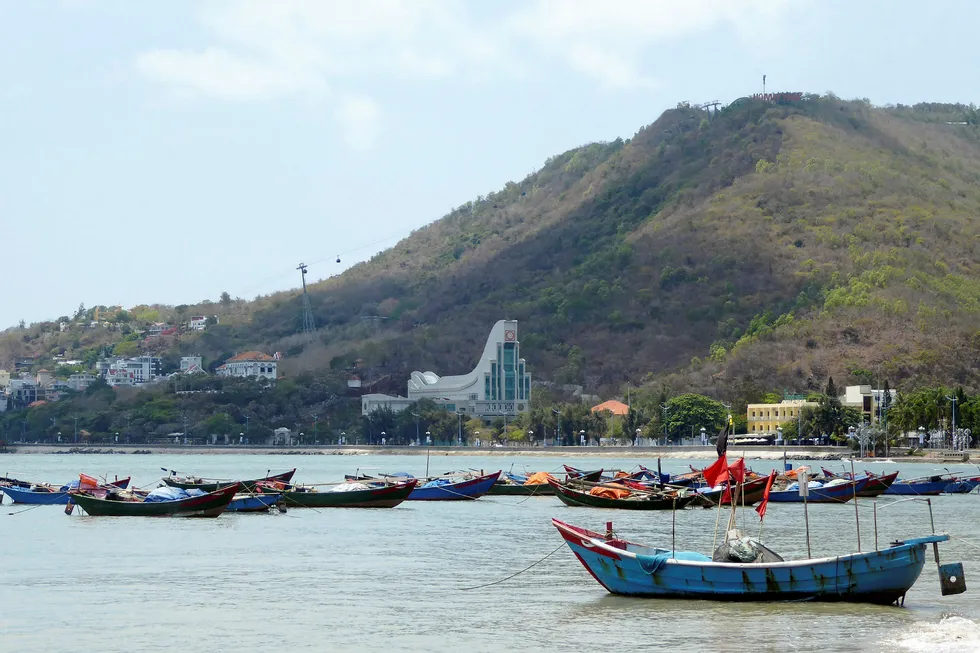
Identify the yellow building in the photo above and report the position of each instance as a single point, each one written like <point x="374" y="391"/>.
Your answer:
<point x="766" y="418"/>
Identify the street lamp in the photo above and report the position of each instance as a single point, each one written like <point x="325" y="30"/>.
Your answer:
<point x="922" y="437"/>
<point x="704" y="438"/>
<point x="384" y="439"/>
<point x="477" y="434"/>
<point x="952" y="433"/>
<point x="582" y="435"/>
<point x="530" y="437"/>
<point x="428" y="438"/>
<point x="637" y="440"/>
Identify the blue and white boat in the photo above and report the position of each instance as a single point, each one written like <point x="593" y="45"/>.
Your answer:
<point x="837" y="491"/>
<point x="881" y="577"/>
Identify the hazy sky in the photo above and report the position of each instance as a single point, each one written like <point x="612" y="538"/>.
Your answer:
<point x="165" y="151"/>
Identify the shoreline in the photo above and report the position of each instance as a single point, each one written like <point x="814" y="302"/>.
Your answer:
<point x="695" y="453"/>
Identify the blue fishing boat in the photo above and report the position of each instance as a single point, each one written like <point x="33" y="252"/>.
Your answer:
<point x="881" y="577"/>
<point x="442" y="489"/>
<point x="841" y="493"/>
<point x="919" y="487"/>
<point x="51" y="495"/>
<point x="252" y="502"/>
<point x="46" y="497"/>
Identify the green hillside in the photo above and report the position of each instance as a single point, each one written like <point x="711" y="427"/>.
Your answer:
<point x="772" y="245"/>
<point x="762" y="247"/>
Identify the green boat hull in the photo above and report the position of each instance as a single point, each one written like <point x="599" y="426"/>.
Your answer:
<point x="206" y="505"/>
<point x="383" y="497"/>
<point x="514" y="490"/>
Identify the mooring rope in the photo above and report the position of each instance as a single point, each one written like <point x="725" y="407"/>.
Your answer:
<point x="497" y="582"/>
<point x="26" y="509"/>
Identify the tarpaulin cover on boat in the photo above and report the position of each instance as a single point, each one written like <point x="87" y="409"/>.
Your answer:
<point x="349" y="487"/>
<point x="609" y="492"/>
<point x="537" y="478"/>
<point x="168" y="493"/>
<point x="652" y="564"/>
<point x="438" y="482"/>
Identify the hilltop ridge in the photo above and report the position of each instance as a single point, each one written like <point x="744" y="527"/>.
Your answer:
<point x="761" y="246"/>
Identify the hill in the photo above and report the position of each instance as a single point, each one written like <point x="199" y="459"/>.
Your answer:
<point x="733" y="253"/>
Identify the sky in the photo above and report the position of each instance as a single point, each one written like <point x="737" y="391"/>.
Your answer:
<point x="165" y="151"/>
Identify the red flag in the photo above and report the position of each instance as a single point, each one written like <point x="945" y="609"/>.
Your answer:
<point x="761" y="508"/>
<point x="717" y="472"/>
<point x="738" y="470"/>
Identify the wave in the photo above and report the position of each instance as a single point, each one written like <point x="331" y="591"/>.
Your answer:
<point x="951" y="634"/>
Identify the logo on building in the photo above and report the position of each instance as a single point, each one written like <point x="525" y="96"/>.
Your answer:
<point x="510" y="335"/>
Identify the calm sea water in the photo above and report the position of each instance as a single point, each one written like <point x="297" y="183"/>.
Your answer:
<point x="351" y="580"/>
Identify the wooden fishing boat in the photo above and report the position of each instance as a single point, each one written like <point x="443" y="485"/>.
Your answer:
<point x="749" y="494"/>
<point x="833" y="494"/>
<point x="580" y="496"/>
<point x="469" y="489"/>
<point x="384" y="496"/>
<point x="923" y="487"/>
<point x="212" y="484"/>
<point x="253" y="502"/>
<point x="962" y="485"/>
<point x="517" y="486"/>
<point x="623" y="567"/>
<point x="582" y="475"/>
<point x="210" y="504"/>
<point x="49" y="495"/>
<point x="877" y="484"/>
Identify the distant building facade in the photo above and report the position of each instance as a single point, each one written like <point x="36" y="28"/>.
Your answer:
<point x="499" y="385"/>
<point x="191" y="365"/>
<point x="251" y="364"/>
<point x="79" y="382"/>
<point x="22" y="392"/>
<point x="197" y="323"/>
<point x="130" y="371"/>
<point x="866" y="400"/>
<point x="4" y="380"/>
<point x="766" y="418"/>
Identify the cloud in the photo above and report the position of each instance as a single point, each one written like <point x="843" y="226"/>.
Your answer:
<point x="607" y="41"/>
<point x="333" y="50"/>
<point x="360" y="119"/>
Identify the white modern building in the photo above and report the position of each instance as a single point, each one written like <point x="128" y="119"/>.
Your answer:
<point x="197" y="323"/>
<point x="499" y="385"/>
<point x="131" y="371"/>
<point x="253" y="364"/>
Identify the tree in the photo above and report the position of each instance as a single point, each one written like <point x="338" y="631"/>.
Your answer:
<point x="80" y="313"/>
<point x="225" y="299"/>
<point x="693" y="411"/>
<point x="831" y="390"/>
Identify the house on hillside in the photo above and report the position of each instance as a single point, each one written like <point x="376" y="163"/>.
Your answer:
<point x="191" y="365"/>
<point x="250" y="364"/>
<point x="613" y="407"/>
<point x="79" y="382"/>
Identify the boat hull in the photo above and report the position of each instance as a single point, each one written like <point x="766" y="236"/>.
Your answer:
<point x="880" y="577"/>
<point x="836" y="494"/>
<point x="205" y="505"/>
<point x="252" y="503"/>
<point x="462" y="491"/>
<point x="748" y="494"/>
<point x="926" y="488"/>
<point x="382" y="497"/>
<point x="514" y="490"/>
<point x="582" y="499"/>
<point x="28" y="496"/>
<point x="246" y="486"/>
